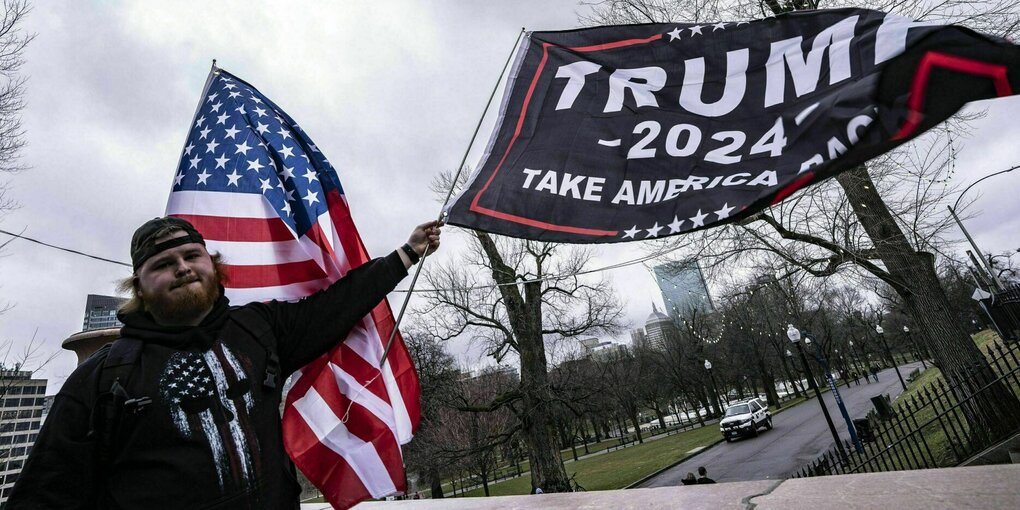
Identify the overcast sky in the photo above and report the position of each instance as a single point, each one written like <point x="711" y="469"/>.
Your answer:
<point x="390" y="91"/>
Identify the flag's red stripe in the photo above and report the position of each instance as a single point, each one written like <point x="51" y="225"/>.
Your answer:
<point x="271" y="275"/>
<point x="399" y="359"/>
<point x="362" y="370"/>
<point x="330" y="472"/>
<point x="362" y="423"/>
<point x="222" y="228"/>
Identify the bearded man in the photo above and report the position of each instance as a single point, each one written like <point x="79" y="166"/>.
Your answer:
<point x="183" y="410"/>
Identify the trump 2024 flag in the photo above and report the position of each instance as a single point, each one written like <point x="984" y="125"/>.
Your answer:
<point x="626" y="133"/>
<point x="263" y="195"/>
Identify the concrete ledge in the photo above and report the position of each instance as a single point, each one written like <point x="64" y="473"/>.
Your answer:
<point x="964" y="487"/>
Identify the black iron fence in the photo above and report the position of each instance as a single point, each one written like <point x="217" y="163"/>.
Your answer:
<point x="931" y="427"/>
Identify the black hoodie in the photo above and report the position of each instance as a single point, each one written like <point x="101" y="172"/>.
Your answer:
<point x="211" y="437"/>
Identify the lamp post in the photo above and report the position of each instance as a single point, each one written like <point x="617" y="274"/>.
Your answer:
<point x="715" y="390"/>
<point x="885" y="344"/>
<point x="921" y="353"/>
<point x="858" y="364"/>
<point x="794" y="335"/>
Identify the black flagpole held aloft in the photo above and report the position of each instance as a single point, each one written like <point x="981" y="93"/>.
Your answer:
<point x="442" y="213"/>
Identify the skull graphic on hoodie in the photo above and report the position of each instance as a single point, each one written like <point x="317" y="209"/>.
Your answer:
<point x="210" y="393"/>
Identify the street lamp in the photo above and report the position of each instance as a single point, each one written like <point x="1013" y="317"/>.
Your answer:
<point x="881" y="336"/>
<point x="794" y="335"/>
<point x="921" y="354"/>
<point x="715" y="389"/>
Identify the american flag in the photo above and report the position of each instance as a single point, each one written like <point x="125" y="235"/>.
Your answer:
<point x="263" y="195"/>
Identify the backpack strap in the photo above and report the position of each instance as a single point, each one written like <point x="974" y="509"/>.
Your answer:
<point x="111" y="396"/>
<point x="260" y="329"/>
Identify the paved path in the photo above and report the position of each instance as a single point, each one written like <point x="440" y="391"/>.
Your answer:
<point x="800" y="436"/>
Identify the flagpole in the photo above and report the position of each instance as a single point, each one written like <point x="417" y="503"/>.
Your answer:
<point x="213" y="71"/>
<point x="442" y="210"/>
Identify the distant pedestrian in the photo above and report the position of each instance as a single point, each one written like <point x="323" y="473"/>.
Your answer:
<point x="874" y="372"/>
<point x="703" y="476"/>
<point x="689" y="479"/>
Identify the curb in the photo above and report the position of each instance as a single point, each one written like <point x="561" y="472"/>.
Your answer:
<point x="677" y="463"/>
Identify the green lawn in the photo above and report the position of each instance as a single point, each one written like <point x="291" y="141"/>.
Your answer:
<point x="620" y="468"/>
<point x="935" y="438"/>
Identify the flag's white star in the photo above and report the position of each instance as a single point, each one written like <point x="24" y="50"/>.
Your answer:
<point x="216" y="107"/>
<point x="674" y="227"/>
<point x="233" y="131"/>
<point x="200" y="121"/>
<point x="234" y="94"/>
<point x="221" y="162"/>
<point x="278" y="118"/>
<point x="283" y="132"/>
<point x="222" y="119"/>
<point x="313" y="147"/>
<point x="654" y="231"/>
<point x="310" y="175"/>
<point x="699" y="219"/>
<point x="194" y="162"/>
<point x="259" y="110"/>
<point x="204" y="133"/>
<point x="265" y="185"/>
<point x="696" y="29"/>
<point x="290" y="195"/>
<point x="675" y="34"/>
<point x="631" y="233"/>
<point x="719" y="26"/>
<point x="255" y="165"/>
<point x="177" y="179"/>
<point x="725" y="211"/>
<point x="230" y="86"/>
<point x="213" y="97"/>
<point x="240" y="109"/>
<point x="189" y="148"/>
<point x="286" y="208"/>
<point x="272" y="163"/>
<point x="262" y="128"/>
<point x="256" y="99"/>
<point x="233" y="178"/>
<point x="242" y="148"/>
<point x="742" y="23"/>
<point x="202" y="177"/>
<point x="211" y="146"/>
<point x="288" y="172"/>
<point x="287" y="152"/>
<point x="312" y="197"/>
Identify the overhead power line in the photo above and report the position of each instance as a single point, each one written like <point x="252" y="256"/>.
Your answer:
<point x="476" y="287"/>
<point x="76" y="252"/>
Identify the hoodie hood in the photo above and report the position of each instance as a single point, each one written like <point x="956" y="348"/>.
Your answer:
<point x="141" y="326"/>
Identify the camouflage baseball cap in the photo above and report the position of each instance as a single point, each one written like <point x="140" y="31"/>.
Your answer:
<point x="143" y="243"/>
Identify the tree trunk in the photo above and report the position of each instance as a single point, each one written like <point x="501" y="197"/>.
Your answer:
<point x="789" y="377"/>
<point x="525" y="316"/>
<point x="912" y="275"/>
<point x="658" y="414"/>
<point x="435" y="481"/>
<point x="637" y="425"/>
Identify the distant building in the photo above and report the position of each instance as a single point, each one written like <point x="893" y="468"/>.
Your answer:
<point x="101" y="312"/>
<point x="657" y="329"/>
<point x="610" y="352"/>
<point x="683" y="288"/>
<point x="22" y="400"/>
<point x="593" y="344"/>
<point x="638" y="339"/>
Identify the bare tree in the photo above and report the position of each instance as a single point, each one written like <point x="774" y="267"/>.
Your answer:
<point x="498" y="294"/>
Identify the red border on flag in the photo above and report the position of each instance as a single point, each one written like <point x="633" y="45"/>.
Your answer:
<point x="517" y="131"/>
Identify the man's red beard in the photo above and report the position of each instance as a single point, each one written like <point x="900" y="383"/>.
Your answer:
<point x="181" y="305"/>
